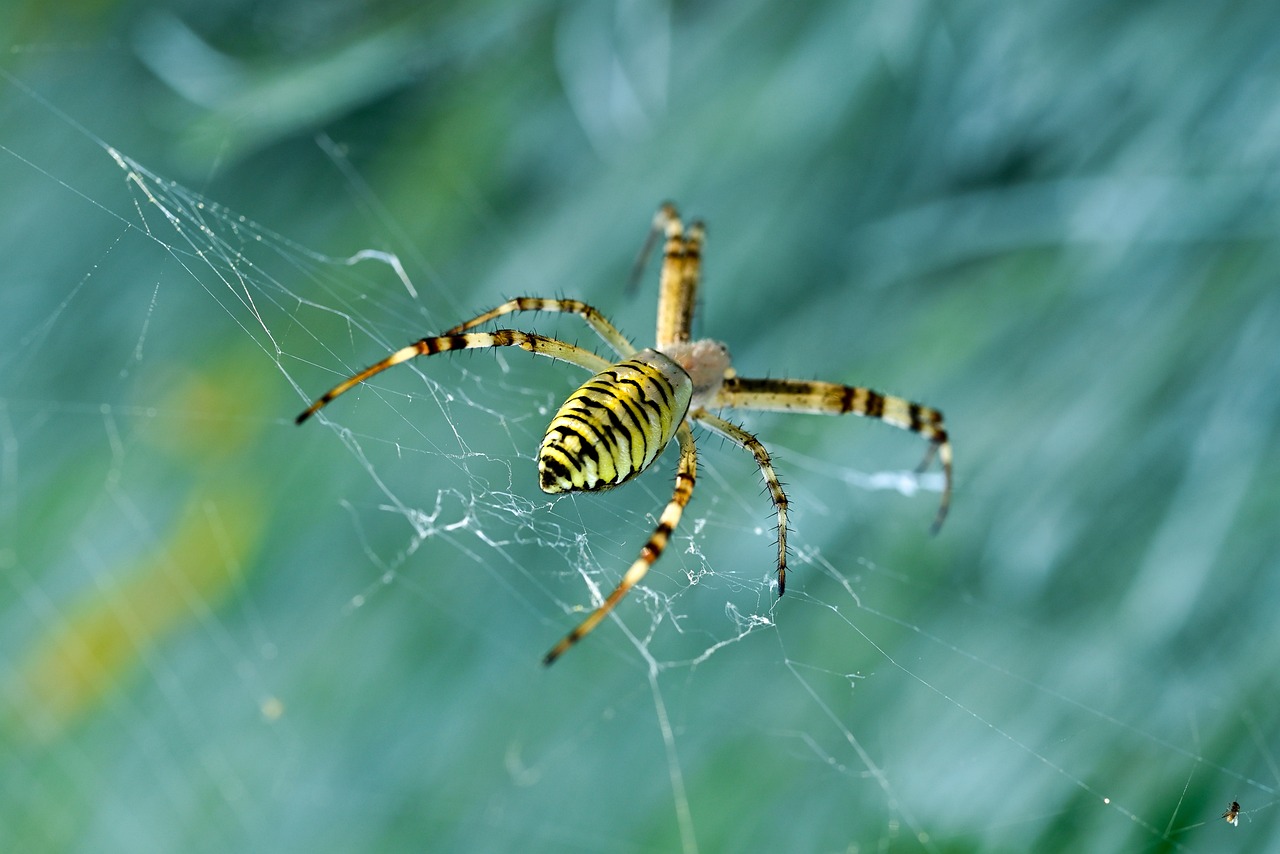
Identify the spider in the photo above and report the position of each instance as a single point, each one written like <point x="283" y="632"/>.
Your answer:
<point x="618" y="422"/>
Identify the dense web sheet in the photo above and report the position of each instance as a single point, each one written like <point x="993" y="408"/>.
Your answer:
<point x="222" y="630"/>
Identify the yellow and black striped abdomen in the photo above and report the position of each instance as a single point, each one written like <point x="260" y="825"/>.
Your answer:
<point x="615" y="425"/>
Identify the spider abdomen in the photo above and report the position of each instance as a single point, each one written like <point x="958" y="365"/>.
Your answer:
<point x="615" y="425"/>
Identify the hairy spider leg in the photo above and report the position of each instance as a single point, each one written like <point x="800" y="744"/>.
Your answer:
<point x="825" y="398"/>
<point x="666" y="211"/>
<point x="537" y="344"/>
<point x="743" y="439"/>
<point x="686" y="476"/>
<point x="597" y="321"/>
<point x="678" y="282"/>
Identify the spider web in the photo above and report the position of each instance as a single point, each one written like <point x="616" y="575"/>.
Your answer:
<point x="228" y="632"/>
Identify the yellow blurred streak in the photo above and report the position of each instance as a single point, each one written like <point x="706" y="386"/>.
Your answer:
<point x="105" y="636"/>
<point x="222" y="410"/>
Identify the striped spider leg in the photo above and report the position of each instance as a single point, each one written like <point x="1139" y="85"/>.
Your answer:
<point x="824" y="398"/>
<point x="539" y="344"/>
<point x="686" y="476"/>
<point x="619" y="421"/>
<point x="597" y="321"/>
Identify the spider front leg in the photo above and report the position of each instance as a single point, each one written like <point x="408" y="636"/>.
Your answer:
<point x="597" y="321"/>
<point x="537" y="344"/>
<point x="665" y="213"/>
<point x="835" y="399"/>
<point x="686" y="476"/>
<point x="681" y="272"/>
<point x="743" y="439"/>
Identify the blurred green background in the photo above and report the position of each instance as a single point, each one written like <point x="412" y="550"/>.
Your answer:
<point x="1057" y="222"/>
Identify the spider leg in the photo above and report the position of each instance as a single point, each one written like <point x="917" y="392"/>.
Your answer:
<point x="686" y="475"/>
<point x="538" y="344"/>
<point x="678" y="282"/>
<point x="743" y="439"/>
<point x="666" y="212"/>
<point x="835" y="399"/>
<point x="597" y="321"/>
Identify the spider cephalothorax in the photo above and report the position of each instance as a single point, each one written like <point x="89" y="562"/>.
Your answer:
<point x="618" y="422"/>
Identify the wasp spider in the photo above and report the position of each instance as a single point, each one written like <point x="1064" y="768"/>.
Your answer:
<point x="618" y="422"/>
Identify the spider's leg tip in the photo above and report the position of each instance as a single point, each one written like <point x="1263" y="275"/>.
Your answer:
<point x="937" y="523"/>
<point x="302" y="417"/>
<point x="559" y="649"/>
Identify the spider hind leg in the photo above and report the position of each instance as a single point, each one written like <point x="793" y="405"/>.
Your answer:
<point x="686" y="476"/>
<point x="824" y="398"/>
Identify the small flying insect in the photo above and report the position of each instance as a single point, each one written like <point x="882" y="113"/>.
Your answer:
<point x="1232" y="815"/>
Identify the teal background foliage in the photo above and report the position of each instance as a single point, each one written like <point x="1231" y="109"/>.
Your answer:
<point x="1055" y="221"/>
